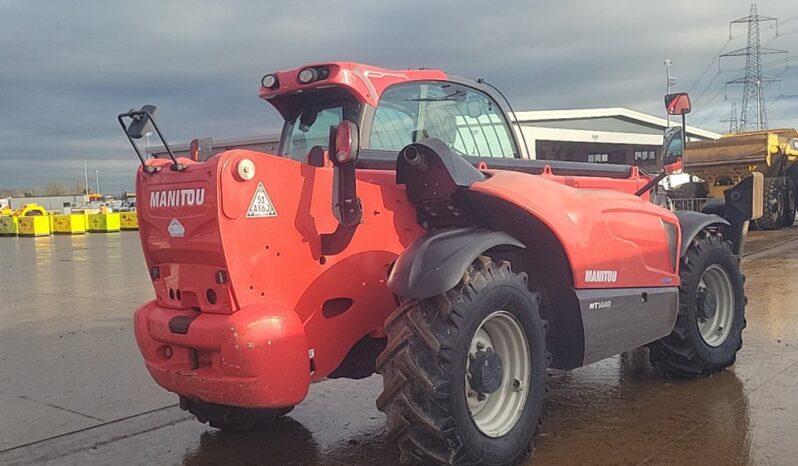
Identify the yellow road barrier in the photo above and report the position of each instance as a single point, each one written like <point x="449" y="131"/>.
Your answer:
<point x="128" y="220"/>
<point x="74" y="224"/>
<point x="35" y="225"/>
<point x="9" y="226"/>
<point x="104" y="223"/>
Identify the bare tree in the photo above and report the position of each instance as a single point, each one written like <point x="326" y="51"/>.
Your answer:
<point x="55" y="189"/>
<point x="79" y="187"/>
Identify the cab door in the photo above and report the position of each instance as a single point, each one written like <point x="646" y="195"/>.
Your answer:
<point x="466" y="119"/>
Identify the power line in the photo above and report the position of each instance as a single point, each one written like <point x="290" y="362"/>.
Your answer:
<point x="709" y="65"/>
<point x="714" y="110"/>
<point x="706" y="88"/>
<point x="791" y="31"/>
<point x="790" y="19"/>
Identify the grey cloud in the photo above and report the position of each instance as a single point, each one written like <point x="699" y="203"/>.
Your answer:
<point x="67" y="68"/>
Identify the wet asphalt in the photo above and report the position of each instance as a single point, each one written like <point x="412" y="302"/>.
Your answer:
<point x="73" y="388"/>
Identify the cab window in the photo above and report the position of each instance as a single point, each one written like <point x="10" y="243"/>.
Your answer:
<point x="311" y="128"/>
<point x="467" y="120"/>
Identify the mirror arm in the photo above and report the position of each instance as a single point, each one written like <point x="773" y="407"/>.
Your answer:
<point x="176" y="166"/>
<point x="345" y="203"/>
<point x="131" y="114"/>
<point x="654" y="181"/>
<point x="684" y="134"/>
<point x="138" y="114"/>
<point x="120" y="118"/>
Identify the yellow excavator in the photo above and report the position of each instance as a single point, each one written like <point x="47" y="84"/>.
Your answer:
<point x="715" y="166"/>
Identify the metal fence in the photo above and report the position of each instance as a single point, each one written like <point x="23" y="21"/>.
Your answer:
<point x="694" y="204"/>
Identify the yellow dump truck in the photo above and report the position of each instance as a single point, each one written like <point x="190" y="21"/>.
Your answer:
<point x="715" y="166"/>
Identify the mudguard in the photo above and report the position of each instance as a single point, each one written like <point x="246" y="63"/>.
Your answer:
<point x="691" y="223"/>
<point x="436" y="261"/>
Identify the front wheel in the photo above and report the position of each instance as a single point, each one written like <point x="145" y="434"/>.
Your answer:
<point x="772" y="203"/>
<point x="464" y="372"/>
<point x="788" y="193"/>
<point x="711" y="318"/>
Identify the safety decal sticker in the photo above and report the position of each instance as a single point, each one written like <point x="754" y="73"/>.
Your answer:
<point x="176" y="229"/>
<point x="261" y="205"/>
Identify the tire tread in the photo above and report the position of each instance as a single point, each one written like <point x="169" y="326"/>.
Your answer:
<point x="676" y="354"/>
<point x="413" y="374"/>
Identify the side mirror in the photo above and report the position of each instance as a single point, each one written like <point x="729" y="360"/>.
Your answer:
<point x="142" y="121"/>
<point x="672" y="149"/>
<point x="344" y="143"/>
<point x="307" y="119"/>
<point x="677" y="104"/>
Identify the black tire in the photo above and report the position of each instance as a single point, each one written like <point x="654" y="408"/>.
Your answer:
<point x="691" y="190"/>
<point x="424" y="369"/>
<point x="230" y="418"/>
<point x="685" y="352"/>
<point x="788" y="194"/>
<point x="773" y="204"/>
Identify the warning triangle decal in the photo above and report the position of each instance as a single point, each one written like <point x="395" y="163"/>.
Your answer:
<point x="261" y="205"/>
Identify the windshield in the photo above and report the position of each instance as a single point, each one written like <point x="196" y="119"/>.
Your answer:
<point x="309" y="116"/>
<point x="311" y="128"/>
<point x="465" y="119"/>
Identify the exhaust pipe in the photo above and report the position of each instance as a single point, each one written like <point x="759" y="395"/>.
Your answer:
<point x="414" y="158"/>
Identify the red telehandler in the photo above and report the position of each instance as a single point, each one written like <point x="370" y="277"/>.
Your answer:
<point x="402" y="229"/>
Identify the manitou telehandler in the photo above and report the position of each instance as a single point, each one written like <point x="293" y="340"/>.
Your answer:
<point x="402" y="230"/>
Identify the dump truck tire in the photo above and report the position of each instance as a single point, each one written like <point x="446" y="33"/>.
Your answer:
<point x="230" y="418"/>
<point x="691" y="190"/>
<point x="464" y="372"/>
<point x="711" y="317"/>
<point x="773" y="204"/>
<point x="788" y="194"/>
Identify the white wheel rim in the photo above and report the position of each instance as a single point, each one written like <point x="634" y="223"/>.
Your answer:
<point x="716" y="329"/>
<point x="497" y="413"/>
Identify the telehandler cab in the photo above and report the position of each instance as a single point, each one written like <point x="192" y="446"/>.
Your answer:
<point x="402" y="229"/>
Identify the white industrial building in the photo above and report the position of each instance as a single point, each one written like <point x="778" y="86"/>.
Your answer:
<point x="50" y="203"/>
<point x="599" y="135"/>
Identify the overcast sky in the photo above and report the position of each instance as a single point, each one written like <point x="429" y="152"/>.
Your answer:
<point x="68" y="68"/>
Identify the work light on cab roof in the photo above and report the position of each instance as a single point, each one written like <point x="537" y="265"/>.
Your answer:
<point x="308" y="75"/>
<point x="270" y="81"/>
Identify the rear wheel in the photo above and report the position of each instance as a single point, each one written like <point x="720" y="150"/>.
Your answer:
<point x="231" y="418"/>
<point x="788" y="194"/>
<point x="711" y="318"/>
<point x="464" y="372"/>
<point x="773" y="204"/>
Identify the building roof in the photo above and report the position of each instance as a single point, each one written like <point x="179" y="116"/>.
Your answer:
<point x="623" y="113"/>
<point x="219" y="143"/>
<point x="611" y="125"/>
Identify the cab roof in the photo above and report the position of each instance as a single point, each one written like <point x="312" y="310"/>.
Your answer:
<point x="365" y="82"/>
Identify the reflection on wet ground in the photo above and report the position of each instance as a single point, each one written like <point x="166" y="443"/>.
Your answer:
<point x="73" y="389"/>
